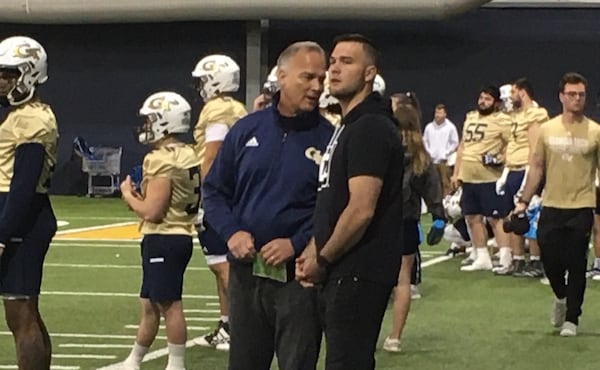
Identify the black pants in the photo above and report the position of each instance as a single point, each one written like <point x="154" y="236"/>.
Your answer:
<point x="352" y="311"/>
<point x="268" y="317"/>
<point x="564" y="236"/>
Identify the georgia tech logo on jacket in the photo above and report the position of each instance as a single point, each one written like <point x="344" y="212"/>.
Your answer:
<point x="313" y="154"/>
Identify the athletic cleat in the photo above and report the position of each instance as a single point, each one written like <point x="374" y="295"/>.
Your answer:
<point x="559" y="312"/>
<point x="593" y="273"/>
<point x="218" y="339"/>
<point x="535" y="269"/>
<point x="391" y="345"/>
<point x="568" y="329"/>
<point x="467" y="261"/>
<point x="478" y="265"/>
<point x="503" y="270"/>
<point x="520" y="268"/>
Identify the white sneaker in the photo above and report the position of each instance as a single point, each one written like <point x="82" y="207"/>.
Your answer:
<point x="219" y="336"/>
<point x="568" y="329"/>
<point x="559" y="312"/>
<point x="223" y="345"/>
<point x="467" y="261"/>
<point x="414" y="292"/>
<point x="480" y="264"/>
<point x="391" y="345"/>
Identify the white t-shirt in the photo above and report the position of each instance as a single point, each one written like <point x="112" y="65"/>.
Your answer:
<point x="440" y="140"/>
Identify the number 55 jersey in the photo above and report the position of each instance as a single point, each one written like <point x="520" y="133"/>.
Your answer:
<point x="180" y="164"/>
<point x="483" y="135"/>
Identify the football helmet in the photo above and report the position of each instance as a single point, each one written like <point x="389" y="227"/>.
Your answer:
<point x="451" y="204"/>
<point x="164" y="113"/>
<point x="379" y="85"/>
<point x="505" y="93"/>
<point x="216" y="74"/>
<point x="271" y="85"/>
<point x="28" y="59"/>
<point x="326" y="99"/>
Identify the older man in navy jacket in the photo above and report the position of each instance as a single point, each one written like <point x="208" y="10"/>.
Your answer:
<point x="260" y="196"/>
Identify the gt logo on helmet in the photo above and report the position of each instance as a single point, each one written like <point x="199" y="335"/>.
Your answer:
<point x="213" y="65"/>
<point x="162" y="103"/>
<point x="26" y="51"/>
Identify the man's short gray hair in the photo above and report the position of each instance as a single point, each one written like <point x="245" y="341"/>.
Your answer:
<point x="294" y="48"/>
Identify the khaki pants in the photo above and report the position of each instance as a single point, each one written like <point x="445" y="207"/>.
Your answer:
<point x="444" y="174"/>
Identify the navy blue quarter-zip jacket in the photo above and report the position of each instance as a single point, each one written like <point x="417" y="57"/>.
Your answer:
<point x="264" y="179"/>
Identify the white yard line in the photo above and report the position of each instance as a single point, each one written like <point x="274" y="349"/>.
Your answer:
<point x="86" y="356"/>
<point x="88" y="240"/>
<point x="202" y="319"/>
<point x="93" y="228"/>
<point x="87" y="336"/>
<point x="162" y="327"/>
<point x="435" y="261"/>
<point x="114" y="294"/>
<point x="53" y="367"/>
<point x="84" y="242"/>
<point x="195" y="310"/>
<point x="96" y="245"/>
<point x="89" y="345"/>
<point x="131" y="267"/>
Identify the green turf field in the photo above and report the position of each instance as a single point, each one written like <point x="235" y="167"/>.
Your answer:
<point x="463" y="321"/>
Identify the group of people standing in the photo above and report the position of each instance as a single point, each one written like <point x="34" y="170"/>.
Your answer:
<point x="307" y="226"/>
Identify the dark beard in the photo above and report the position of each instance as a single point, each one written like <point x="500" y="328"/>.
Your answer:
<point x="517" y="104"/>
<point x="487" y="111"/>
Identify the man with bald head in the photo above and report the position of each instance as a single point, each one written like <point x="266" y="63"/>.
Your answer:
<point x="259" y="196"/>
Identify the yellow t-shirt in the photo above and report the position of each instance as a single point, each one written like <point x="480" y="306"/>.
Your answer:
<point x="571" y="154"/>
<point x="517" y="150"/>
<point x="33" y="122"/>
<point x="220" y="110"/>
<point x="180" y="164"/>
<point x="483" y="135"/>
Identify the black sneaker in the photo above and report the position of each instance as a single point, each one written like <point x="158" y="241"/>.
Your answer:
<point x="520" y="268"/>
<point x="535" y="269"/>
<point x="215" y="337"/>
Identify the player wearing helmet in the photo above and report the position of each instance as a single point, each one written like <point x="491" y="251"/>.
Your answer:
<point x="167" y="205"/>
<point x="28" y="139"/>
<point x="526" y="121"/>
<point x="217" y="77"/>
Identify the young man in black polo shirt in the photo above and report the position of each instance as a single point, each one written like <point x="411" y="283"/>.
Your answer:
<point x="356" y="251"/>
